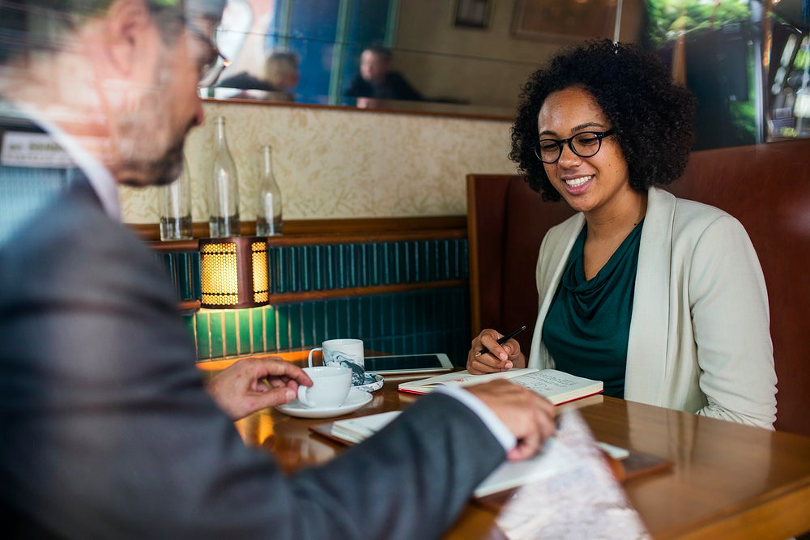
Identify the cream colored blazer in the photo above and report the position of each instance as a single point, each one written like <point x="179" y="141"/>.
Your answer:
<point x="699" y="335"/>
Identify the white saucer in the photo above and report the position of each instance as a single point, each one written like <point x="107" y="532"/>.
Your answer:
<point x="372" y="386"/>
<point x="355" y="400"/>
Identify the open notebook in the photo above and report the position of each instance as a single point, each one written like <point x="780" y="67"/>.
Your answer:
<point x="556" y="386"/>
<point x="627" y="464"/>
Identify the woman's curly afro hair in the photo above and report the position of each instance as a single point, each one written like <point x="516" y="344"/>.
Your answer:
<point x="651" y="115"/>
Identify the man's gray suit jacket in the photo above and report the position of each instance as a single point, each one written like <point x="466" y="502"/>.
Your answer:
<point x="106" y="430"/>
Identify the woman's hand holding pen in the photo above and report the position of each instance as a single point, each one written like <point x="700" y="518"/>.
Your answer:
<point x="487" y="355"/>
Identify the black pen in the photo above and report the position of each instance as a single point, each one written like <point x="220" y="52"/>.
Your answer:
<point x="503" y="340"/>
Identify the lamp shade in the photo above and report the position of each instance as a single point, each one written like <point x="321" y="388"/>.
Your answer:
<point x="233" y="272"/>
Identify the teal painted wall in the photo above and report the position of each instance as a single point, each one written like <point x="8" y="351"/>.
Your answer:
<point x="434" y="319"/>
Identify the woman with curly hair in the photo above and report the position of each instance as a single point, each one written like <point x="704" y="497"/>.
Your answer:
<point x="661" y="298"/>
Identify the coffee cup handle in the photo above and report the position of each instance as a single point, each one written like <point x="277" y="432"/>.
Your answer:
<point x="309" y="360"/>
<point x="302" y="395"/>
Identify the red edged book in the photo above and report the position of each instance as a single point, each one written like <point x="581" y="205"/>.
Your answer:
<point x="556" y="386"/>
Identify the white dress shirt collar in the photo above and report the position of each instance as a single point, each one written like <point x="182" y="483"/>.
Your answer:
<point x="99" y="177"/>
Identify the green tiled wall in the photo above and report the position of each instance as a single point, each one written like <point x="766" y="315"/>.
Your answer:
<point x="431" y="320"/>
<point x="183" y="268"/>
<point x="320" y="267"/>
<point x="426" y="320"/>
<point x="337" y="266"/>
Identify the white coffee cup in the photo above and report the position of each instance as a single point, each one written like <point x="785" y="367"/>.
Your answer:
<point x="330" y="387"/>
<point x="336" y="351"/>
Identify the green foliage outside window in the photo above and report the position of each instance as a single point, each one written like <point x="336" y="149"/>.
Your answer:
<point x="668" y="17"/>
<point x="743" y="113"/>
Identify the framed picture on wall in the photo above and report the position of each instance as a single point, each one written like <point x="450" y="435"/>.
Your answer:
<point x="471" y="13"/>
<point x="566" y="19"/>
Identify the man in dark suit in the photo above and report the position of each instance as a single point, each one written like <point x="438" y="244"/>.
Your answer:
<point x="107" y="428"/>
<point x="376" y="79"/>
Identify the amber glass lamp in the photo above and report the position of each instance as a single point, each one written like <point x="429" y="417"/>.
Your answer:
<point x="233" y="272"/>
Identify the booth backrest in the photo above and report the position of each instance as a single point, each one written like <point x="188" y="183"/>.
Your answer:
<point x="766" y="187"/>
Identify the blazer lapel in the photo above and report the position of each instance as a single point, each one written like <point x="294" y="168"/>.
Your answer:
<point x="548" y="279"/>
<point x="649" y="327"/>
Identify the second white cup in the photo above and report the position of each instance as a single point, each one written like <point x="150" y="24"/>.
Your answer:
<point x="344" y="352"/>
<point x="330" y="387"/>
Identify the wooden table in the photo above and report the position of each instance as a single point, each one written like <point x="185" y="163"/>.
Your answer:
<point x="729" y="480"/>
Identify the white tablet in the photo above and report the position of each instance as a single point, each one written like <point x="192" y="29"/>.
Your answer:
<point x="407" y="363"/>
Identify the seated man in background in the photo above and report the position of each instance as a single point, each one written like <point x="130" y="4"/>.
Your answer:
<point x="376" y="80"/>
<point x="281" y="76"/>
<point x="108" y="431"/>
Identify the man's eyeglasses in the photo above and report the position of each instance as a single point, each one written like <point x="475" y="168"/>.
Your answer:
<point x="217" y="62"/>
<point x="584" y="144"/>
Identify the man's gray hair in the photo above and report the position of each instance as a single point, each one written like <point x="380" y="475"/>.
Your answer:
<point x="32" y="25"/>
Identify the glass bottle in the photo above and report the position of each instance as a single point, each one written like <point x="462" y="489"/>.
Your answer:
<point x="223" y="200"/>
<point x="175" y="208"/>
<point x="268" y="216"/>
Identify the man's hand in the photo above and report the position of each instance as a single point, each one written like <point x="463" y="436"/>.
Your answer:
<point x="252" y="384"/>
<point x="528" y="415"/>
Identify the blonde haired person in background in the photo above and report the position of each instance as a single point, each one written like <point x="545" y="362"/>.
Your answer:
<point x="281" y="76"/>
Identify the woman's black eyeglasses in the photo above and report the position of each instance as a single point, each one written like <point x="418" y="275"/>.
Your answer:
<point x="584" y="144"/>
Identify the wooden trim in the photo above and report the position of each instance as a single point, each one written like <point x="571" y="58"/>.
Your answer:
<point x="347" y="238"/>
<point x="374" y="225"/>
<point x="150" y="232"/>
<point x="505" y="117"/>
<point x="310" y="231"/>
<point x="180" y="245"/>
<point x="358" y="237"/>
<point x="472" y="249"/>
<point x="303" y="296"/>
<point x="490" y="220"/>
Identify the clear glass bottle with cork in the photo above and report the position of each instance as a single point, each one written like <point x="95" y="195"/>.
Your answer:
<point x="223" y="196"/>
<point x="269" y="211"/>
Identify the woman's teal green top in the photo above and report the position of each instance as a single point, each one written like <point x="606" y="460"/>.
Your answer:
<point x="588" y="324"/>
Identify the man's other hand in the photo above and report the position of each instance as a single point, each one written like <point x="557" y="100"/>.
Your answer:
<point x="528" y="415"/>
